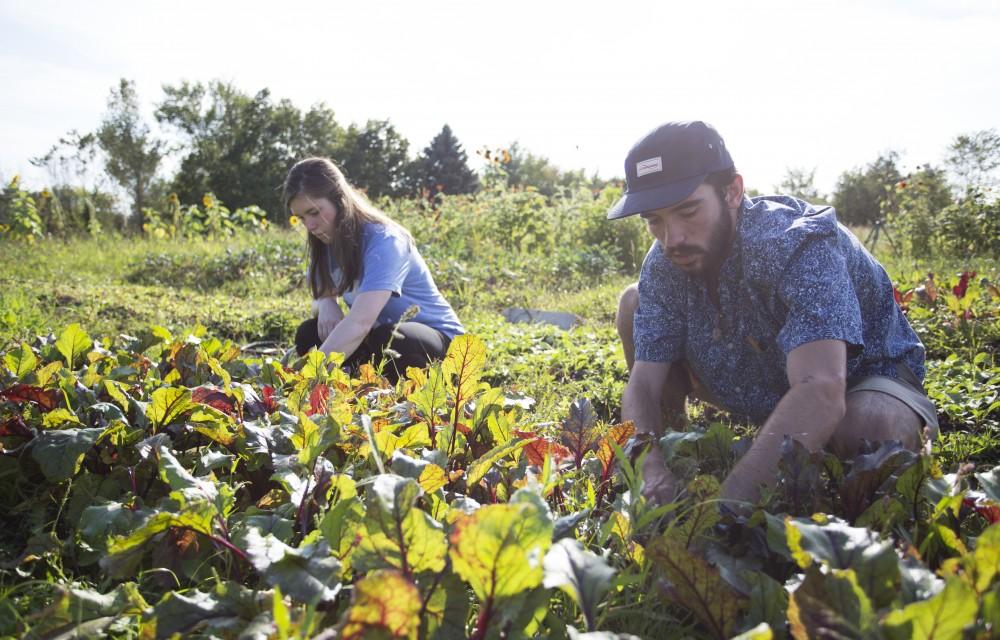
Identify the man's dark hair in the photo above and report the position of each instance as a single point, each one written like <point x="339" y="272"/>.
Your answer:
<point x="720" y="181"/>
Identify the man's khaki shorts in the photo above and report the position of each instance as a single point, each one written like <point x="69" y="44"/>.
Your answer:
<point x="907" y="389"/>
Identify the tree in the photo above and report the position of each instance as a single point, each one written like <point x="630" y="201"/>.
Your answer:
<point x="525" y="169"/>
<point x="240" y="146"/>
<point x="443" y="166"/>
<point x="974" y="158"/>
<point x="375" y="158"/>
<point x="131" y="154"/>
<point x="864" y="196"/>
<point x="798" y="182"/>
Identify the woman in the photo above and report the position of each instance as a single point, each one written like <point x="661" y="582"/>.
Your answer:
<point x="357" y="253"/>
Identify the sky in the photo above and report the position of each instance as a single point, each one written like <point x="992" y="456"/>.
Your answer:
<point x="812" y="84"/>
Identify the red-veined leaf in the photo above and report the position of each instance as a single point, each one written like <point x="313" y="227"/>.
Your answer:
<point x="215" y="399"/>
<point x="578" y="430"/>
<point x="384" y="605"/>
<point x="46" y="399"/>
<point x="15" y="427"/>
<point x="619" y="434"/>
<point x="538" y="448"/>
<point x="318" y="399"/>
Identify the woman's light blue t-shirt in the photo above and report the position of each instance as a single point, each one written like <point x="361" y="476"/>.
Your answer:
<point x="392" y="263"/>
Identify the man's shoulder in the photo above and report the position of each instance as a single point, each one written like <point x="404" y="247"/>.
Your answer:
<point x="774" y="228"/>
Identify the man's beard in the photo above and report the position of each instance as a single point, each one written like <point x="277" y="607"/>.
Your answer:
<point x="719" y="244"/>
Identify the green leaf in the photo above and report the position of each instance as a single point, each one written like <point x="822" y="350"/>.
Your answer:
<point x="431" y="397"/>
<point x="385" y="604"/>
<point x="125" y="552"/>
<point x="21" y="361"/>
<point x="831" y="605"/>
<point x="447" y="609"/>
<point x="869" y="473"/>
<point x="214" y="425"/>
<point x="308" y="574"/>
<point x="989" y="482"/>
<point x="88" y="613"/>
<point x="74" y="344"/>
<point x="480" y="467"/>
<point x="60" y="453"/>
<point x="991" y="608"/>
<point x="227" y="607"/>
<point x="118" y="393"/>
<point x="498" y="549"/>
<point x="768" y="600"/>
<point x="397" y="534"/>
<point x="583" y="575"/>
<point x="167" y="404"/>
<point x="697" y="586"/>
<point x="982" y="565"/>
<point x="760" y="632"/>
<point x="703" y="513"/>
<point x="463" y="365"/>
<point x="341" y="524"/>
<point x="943" y="616"/>
<point x="282" y="617"/>
<point x="58" y="417"/>
<point x="101" y="521"/>
<point x="838" y="546"/>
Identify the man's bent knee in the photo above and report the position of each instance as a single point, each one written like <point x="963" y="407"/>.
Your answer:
<point x="628" y="303"/>
<point x="876" y="416"/>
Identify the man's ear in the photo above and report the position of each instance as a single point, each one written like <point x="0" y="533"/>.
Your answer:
<point x="734" y="192"/>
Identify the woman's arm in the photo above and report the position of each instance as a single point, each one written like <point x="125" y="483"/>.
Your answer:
<point x="349" y="332"/>
<point x="328" y="315"/>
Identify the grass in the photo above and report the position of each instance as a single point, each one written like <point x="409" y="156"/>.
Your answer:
<point x="250" y="287"/>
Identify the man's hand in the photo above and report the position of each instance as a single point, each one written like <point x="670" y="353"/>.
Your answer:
<point x="809" y="412"/>
<point x="660" y="486"/>
<point x="328" y="316"/>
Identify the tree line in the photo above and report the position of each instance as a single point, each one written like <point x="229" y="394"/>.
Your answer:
<point x="238" y="146"/>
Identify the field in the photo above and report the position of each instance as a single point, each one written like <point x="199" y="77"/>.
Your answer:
<point x="170" y="469"/>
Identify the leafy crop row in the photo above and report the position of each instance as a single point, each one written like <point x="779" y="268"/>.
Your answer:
<point x="161" y="485"/>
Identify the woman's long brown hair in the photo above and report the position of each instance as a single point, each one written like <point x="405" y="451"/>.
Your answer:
<point x="320" y="178"/>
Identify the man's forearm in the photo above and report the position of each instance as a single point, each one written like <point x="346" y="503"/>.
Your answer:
<point x="643" y="408"/>
<point x="809" y="413"/>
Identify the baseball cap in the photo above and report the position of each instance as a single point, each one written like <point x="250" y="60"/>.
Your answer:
<point x="668" y="164"/>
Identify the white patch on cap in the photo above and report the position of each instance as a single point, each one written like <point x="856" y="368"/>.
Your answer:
<point x="652" y="165"/>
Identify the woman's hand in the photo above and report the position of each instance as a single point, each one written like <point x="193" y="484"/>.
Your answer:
<point x="328" y="316"/>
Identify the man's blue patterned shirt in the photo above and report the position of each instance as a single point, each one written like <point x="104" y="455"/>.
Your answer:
<point x="795" y="275"/>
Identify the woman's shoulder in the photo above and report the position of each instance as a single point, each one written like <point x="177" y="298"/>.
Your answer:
<point x="380" y="231"/>
<point x="380" y="237"/>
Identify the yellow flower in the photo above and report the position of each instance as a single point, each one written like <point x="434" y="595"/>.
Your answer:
<point x="208" y="201"/>
<point x="159" y="232"/>
<point x="264" y="223"/>
<point x="294" y="221"/>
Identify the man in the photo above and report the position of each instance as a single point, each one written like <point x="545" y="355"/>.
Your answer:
<point x="765" y="307"/>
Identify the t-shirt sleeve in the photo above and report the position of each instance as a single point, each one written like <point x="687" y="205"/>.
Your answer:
<point x="822" y="304"/>
<point x="659" y="328"/>
<point x="386" y="262"/>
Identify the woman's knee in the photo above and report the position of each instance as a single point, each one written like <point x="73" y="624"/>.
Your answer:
<point x="307" y="336"/>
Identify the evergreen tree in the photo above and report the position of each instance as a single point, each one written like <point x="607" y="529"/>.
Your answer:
<point x="443" y="166"/>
